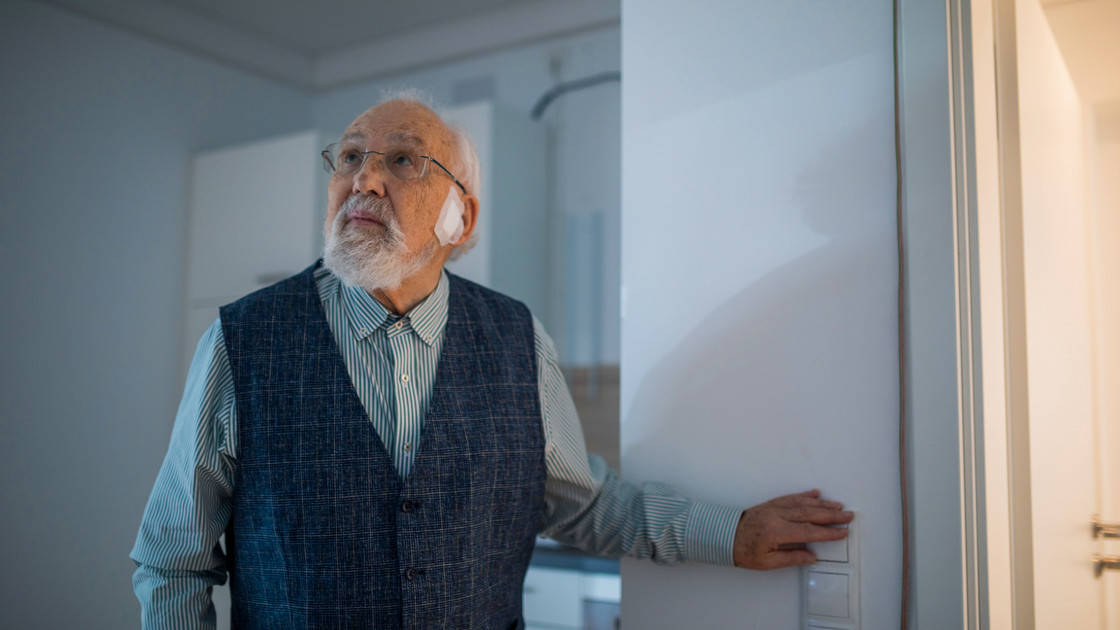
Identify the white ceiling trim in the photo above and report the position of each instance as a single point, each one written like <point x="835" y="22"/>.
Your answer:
<point x="182" y="29"/>
<point x="485" y="33"/>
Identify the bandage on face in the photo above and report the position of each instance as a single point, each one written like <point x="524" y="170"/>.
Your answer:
<point x="449" y="225"/>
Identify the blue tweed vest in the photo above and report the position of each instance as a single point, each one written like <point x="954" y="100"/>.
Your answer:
<point x="324" y="532"/>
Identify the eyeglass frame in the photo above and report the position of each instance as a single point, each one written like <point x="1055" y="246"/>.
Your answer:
<point x="328" y="163"/>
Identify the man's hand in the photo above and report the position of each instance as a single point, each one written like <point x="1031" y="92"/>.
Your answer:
<point x="773" y="535"/>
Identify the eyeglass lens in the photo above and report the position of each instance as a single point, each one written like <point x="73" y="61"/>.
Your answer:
<point x="347" y="159"/>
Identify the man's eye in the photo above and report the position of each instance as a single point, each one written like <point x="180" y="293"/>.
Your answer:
<point x="402" y="159"/>
<point x="350" y="157"/>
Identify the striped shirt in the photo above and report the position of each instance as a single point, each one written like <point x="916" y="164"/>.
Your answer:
<point x="392" y="363"/>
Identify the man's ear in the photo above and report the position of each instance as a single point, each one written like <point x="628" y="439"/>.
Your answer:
<point x="470" y="217"/>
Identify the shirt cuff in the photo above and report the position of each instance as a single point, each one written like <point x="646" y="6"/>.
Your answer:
<point x="710" y="533"/>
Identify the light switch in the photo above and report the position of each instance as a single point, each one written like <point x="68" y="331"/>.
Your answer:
<point x="830" y="551"/>
<point x="830" y="588"/>
<point x="827" y="594"/>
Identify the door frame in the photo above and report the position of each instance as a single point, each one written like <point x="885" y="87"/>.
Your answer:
<point x="1016" y="593"/>
<point x="965" y="350"/>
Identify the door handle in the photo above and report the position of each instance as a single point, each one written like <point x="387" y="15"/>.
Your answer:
<point x="1104" y="530"/>
<point x="1100" y="563"/>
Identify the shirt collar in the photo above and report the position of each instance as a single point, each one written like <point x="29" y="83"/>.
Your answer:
<point x="428" y="318"/>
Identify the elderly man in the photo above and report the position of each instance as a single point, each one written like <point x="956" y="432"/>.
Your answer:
<point x="381" y="441"/>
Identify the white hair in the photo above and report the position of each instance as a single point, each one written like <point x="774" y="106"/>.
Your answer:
<point x="407" y="93"/>
<point x="468" y="170"/>
<point x="471" y="178"/>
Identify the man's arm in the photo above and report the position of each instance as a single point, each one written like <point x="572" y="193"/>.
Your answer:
<point x="177" y="549"/>
<point x="589" y="507"/>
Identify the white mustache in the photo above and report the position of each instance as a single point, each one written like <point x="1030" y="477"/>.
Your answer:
<point x="373" y="207"/>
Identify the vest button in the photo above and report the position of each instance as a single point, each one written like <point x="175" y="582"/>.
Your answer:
<point x="410" y="574"/>
<point x="408" y="506"/>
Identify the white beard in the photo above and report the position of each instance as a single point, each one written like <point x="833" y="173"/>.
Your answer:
<point x="365" y="259"/>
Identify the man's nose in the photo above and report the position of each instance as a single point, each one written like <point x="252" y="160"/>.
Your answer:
<point x="370" y="178"/>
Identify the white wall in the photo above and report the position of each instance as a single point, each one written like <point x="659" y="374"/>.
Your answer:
<point x="583" y="147"/>
<point x="759" y="337"/>
<point x="97" y="129"/>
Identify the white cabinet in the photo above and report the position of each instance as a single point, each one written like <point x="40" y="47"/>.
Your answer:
<point x="252" y="220"/>
<point x="551" y="598"/>
<point x="563" y="599"/>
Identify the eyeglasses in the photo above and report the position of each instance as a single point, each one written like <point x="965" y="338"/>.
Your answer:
<point x="346" y="159"/>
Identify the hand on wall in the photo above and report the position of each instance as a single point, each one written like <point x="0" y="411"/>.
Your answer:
<point x="773" y="535"/>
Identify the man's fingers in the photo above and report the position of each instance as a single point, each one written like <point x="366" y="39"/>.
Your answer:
<point x="773" y="534"/>
<point x="802" y="533"/>
<point x="818" y="515"/>
<point x="810" y="498"/>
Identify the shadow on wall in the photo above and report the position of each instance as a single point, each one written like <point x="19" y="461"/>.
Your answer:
<point x="791" y="352"/>
<point x="795" y="366"/>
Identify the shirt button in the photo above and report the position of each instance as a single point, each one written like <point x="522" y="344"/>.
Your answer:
<point x="408" y="446"/>
<point x="404" y="378"/>
<point x="408" y="507"/>
<point x="397" y="326"/>
<point x="363" y="331"/>
<point x="429" y="338"/>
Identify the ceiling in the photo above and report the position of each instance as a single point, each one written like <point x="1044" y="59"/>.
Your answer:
<point x="1088" y="34"/>
<point x="334" y="42"/>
